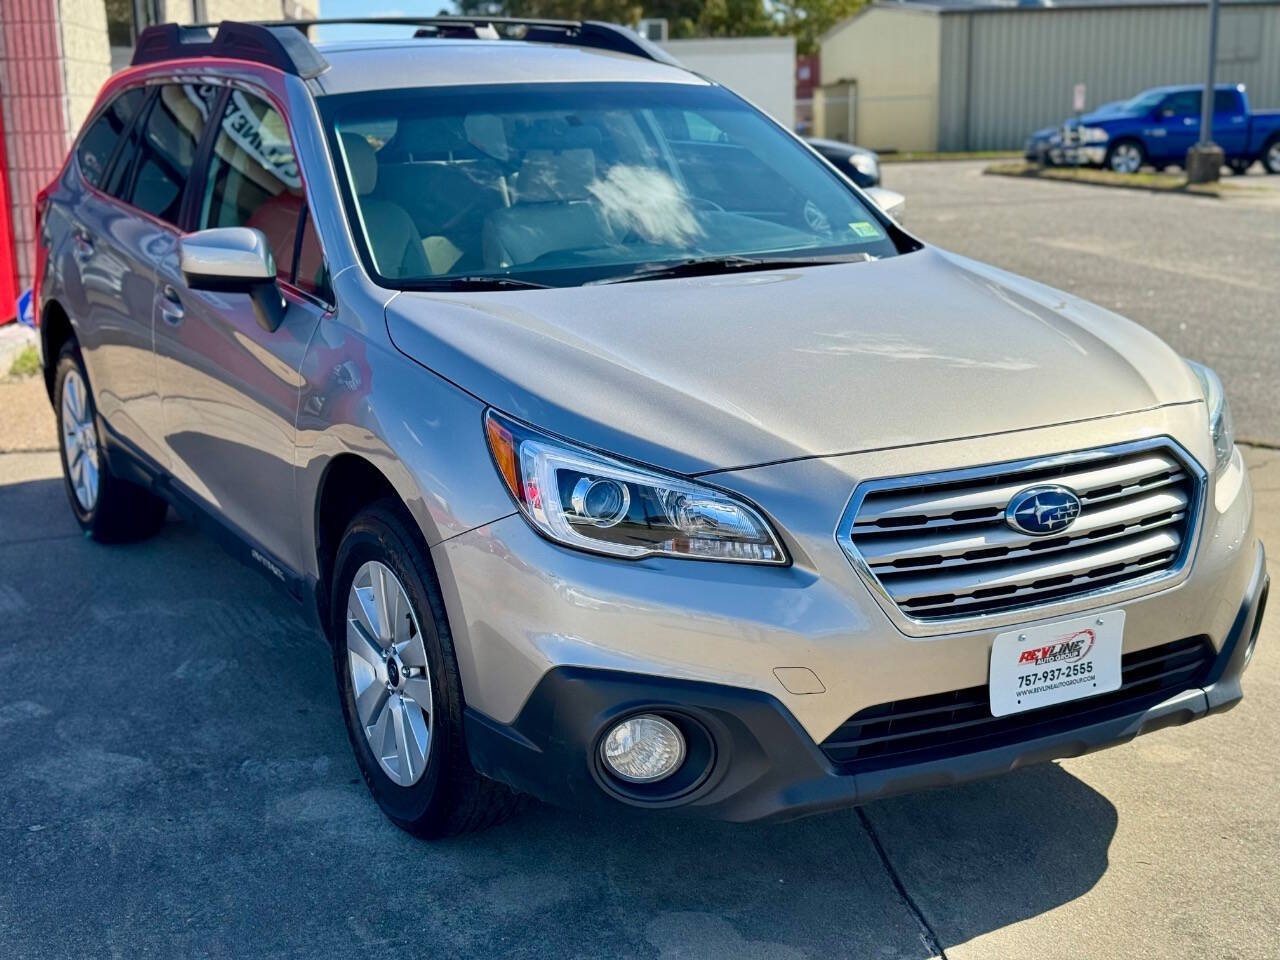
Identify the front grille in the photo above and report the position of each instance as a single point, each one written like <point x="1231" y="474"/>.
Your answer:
<point x="940" y="548"/>
<point x="953" y="724"/>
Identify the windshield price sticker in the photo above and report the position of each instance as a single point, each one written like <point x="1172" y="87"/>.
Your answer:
<point x="1056" y="662"/>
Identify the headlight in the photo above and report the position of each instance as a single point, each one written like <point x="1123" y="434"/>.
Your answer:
<point x="586" y="500"/>
<point x="866" y="164"/>
<point x="1094" y="135"/>
<point x="1215" y="400"/>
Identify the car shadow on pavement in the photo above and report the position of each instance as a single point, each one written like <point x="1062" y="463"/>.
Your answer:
<point x="175" y="778"/>
<point x="969" y="860"/>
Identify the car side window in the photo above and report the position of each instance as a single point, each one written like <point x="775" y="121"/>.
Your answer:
<point x="99" y="142"/>
<point x="311" y="273"/>
<point x="1226" y="101"/>
<point x="1184" y="104"/>
<point x="254" y="180"/>
<point x="166" y="151"/>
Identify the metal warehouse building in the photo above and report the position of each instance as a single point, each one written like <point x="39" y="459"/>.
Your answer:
<point x="964" y="75"/>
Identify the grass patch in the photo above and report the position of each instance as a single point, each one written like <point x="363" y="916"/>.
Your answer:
<point x="1143" y="180"/>
<point x="26" y="363"/>
<point x="927" y="156"/>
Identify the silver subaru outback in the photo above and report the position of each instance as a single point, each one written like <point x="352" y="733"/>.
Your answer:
<point x="623" y="450"/>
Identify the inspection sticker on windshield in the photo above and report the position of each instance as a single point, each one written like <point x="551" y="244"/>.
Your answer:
<point x="1055" y="662"/>
<point x="864" y="230"/>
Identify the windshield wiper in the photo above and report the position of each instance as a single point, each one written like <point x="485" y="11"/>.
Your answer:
<point x="476" y="282"/>
<point x="707" y="266"/>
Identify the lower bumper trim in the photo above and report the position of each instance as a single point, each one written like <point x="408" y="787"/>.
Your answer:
<point x="766" y="766"/>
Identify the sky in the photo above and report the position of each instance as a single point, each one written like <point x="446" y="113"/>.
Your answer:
<point x="373" y="8"/>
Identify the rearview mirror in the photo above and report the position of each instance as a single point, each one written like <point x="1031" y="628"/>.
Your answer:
<point x="889" y="201"/>
<point x="234" y="260"/>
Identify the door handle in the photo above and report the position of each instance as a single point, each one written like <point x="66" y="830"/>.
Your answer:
<point x="171" y="311"/>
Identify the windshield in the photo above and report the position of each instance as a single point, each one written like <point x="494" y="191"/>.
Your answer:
<point x="563" y="184"/>
<point x="1145" y="102"/>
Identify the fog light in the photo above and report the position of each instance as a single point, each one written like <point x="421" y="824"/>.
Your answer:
<point x="643" y="749"/>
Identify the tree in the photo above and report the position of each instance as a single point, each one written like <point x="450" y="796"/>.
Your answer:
<point x="807" y="20"/>
<point x="685" y="18"/>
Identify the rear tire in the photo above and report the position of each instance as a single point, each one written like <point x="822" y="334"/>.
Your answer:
<point x="403" y="673"/>
<point x="1271" y="155"/>
<point x="108" y="508"/>
<point x="1125" y="156"/>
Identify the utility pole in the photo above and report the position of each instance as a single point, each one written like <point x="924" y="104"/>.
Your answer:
<point x="1205" y="159"/>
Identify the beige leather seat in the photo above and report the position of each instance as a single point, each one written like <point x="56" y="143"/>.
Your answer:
<point x="395" y="241"/>
<point x="553" y="210"/>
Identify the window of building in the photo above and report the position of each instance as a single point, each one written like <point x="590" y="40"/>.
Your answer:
<point x="100" y="140"/>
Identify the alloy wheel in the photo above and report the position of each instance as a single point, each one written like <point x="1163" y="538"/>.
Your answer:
<point x="1273" y="157"/>
<point x="1126" y="158"/>
<point x="79" y="441"/>
<point x="390" y="676"/>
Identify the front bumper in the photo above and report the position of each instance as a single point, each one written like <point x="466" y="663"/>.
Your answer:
<point x="533" y="622"/>
<point x="763" y="765"/>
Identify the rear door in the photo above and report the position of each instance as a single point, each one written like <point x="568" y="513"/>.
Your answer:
<point x="1230" y="122"/>
<point x="109" y="276"/>
<point x="230" y="389"/>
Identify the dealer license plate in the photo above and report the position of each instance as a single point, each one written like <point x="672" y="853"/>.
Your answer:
<point x="1055" y="662"/>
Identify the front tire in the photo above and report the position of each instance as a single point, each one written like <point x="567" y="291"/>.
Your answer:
<point x="1125" y="156"/>
<point x="108" y="508"/>
<point x="399" y="685"/>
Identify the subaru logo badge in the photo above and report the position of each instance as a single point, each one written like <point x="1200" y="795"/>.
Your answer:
<point x="1041" y="511"/>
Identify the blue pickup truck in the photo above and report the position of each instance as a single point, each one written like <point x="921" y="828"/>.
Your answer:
<point x="1158" y="126"/>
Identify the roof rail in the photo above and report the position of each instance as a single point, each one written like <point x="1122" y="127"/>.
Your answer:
<point x="276" y="45"/>
<point x="284" y="44"/>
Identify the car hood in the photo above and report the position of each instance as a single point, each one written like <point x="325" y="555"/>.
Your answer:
<point x="709" y="373"/>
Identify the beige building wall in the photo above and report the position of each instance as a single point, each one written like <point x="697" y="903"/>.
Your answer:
<point x="891" y="58"/>
<point x="86" y="58"/>
<point x="179" y="11"/>
<point x="761" y="69"/>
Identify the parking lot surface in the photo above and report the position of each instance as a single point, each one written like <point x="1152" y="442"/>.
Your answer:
<point x="175" y="779"/>
<point x="1202" y="273"/>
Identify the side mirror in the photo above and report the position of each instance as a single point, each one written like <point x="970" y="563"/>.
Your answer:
<point x="1166" y="113"/>
<point x="889" y="201"/>
<point x="234" y="260"/>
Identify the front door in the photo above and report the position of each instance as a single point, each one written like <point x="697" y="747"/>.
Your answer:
<point x="1179" y="123"/>
<point x="230" y="388"/>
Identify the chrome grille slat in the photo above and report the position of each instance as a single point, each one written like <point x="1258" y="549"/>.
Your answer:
<point x="939" y="547"/>
<point x="904" y="587"/>
<point x="873" y="530"/>
<point x="883" y="553"/>
<point x="962" y="499"/>
<point x="969" y="605"/>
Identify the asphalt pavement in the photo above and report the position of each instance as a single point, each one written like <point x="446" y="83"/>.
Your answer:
<point x="1202" y="273"/>
<point x="175" y="780"/>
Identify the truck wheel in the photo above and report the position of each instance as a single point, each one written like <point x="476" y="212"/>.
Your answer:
<point x="1125" y="156"/>
<point x="1271" y="156"/>
<point x="399" y="684"/>
<point x="108" y="508"/>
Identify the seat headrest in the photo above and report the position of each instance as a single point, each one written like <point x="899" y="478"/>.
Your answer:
<point x="545" y="177"/>
<point x="362" y="162"/>
<point x="429" y="136"/>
